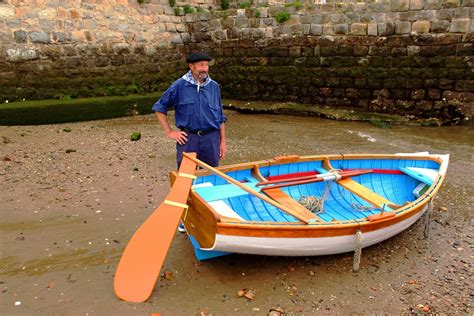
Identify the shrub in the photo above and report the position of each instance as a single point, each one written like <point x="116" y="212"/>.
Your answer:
<point x="282" y="17"/>
<point x="257" y="14"/>
<point x="224" y="4"/>
<point x="297" y="5"/>
<point x="177" y="11"/>
<point x="245" y="4"/>
<point x="188" y="9"/>
<point x="172" y="3"/>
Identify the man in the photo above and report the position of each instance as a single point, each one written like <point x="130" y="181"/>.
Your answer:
<point x="199" y="117"/>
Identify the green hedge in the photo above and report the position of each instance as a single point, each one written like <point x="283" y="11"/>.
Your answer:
<point x="75" y="110"/>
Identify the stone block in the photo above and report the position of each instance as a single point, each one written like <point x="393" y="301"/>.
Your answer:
<point x="361" y="50"/>
<point x="47" y="14"/>
<point x="465" y="49"/>
<point x="316" y="29"/>
<point x="413" y="50"/>
<point x="421" y="27"/>
<point x="21" y="54"/>
<point x="433" y="4"/>
<point x="460" y="26"/>
<point x="39" y="37"/>
<point x="294" y="51"/>
<point x="440" y="26"/>
<point x="352" y="17"/>
<point x="328" y="29"/>
<point x="7" y="12"/>
<point x="180" y="28"/>
<point x="400" y="5"/>
<point x="372" y="29"/>
<point x="416" y="4"/>
<point x="433" y="94"/>
<point x="403" y="27"/>
<point x="176" y="39"/>
<point x="342" y="28"/>
<point x="358" y="29"/>
<point x="384" y="29"/>
<point x="20" y="36"/>
<point x="450" y="3"/>
<point x="170" y="27"/>
<point x="60" y="37"/>
<point x="306" y="29"/>
<point x="268" y="32"/>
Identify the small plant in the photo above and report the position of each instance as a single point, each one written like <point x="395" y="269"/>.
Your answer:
<point x="172" y="3"/>
<point x="257" y="14"/>
<point x="297" y="5"/>
<point x="224" y="4"/>
<point x="188" y="9"/>
<point x="199" y="10"/>
<point x="245" y="4"/>
<point x="282" y="17"/>
<point x="141" y="1"/>
<point x="177" y="11"/>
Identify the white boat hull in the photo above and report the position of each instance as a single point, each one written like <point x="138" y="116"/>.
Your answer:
<point x="308" y="246"/>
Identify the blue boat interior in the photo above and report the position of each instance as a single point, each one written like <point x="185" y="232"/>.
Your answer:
<point x="393" y="179"/>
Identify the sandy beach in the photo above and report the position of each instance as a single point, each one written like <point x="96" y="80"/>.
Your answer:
<point x="73" y="194"/>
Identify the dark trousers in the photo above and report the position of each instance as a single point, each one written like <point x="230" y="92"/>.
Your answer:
<point x="206" y="147"/>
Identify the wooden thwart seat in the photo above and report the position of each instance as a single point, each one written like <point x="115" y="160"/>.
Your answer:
<point x="286" y="200"/>
<point x="366" y="194"/>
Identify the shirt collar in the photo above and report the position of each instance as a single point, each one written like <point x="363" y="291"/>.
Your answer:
<point x="189" y="78"/>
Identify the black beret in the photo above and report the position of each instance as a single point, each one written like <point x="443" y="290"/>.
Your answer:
<point x="195" y="57"/>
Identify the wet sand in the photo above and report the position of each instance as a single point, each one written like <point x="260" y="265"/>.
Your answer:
<point x="70" y="201"/>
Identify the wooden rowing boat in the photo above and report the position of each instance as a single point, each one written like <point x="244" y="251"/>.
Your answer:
<point x="360" y="199"/>
<point x="257" y="208"/>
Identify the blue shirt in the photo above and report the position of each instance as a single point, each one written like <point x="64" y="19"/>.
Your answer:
<point x="197" y="107"/>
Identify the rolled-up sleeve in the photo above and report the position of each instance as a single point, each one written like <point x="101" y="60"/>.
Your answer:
<point x="223" y="118"/>
<point x="167" y="100"/>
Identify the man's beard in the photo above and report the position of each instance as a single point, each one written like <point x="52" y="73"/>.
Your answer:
<point x="202" y="76"/>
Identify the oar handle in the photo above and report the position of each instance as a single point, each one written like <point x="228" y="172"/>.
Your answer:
<point x="245" y="188"/>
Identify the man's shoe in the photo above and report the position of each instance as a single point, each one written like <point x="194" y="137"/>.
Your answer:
<point x="181" y="228"/>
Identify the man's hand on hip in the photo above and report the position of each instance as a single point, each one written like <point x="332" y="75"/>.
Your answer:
<point x="179" y="136"/>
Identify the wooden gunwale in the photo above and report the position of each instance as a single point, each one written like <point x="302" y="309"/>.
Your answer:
<point x="272" y="162"/>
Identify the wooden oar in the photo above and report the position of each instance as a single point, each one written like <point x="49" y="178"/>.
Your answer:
<point x="247" y="189"/>
<point x="327" y="177"/>
<point x="146" y="251"/>
<point x="349" y="173"/>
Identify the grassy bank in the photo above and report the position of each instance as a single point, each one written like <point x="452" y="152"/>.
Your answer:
<point x="75" y="110"/>
<point x="88" y="109"/>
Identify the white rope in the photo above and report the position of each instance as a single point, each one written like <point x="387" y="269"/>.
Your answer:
<point x="357" y="251"/>
<point x="315" y="204"/>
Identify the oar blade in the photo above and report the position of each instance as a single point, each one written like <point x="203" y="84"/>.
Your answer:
<point x="144" y="255"/>
<point x="146" y="251"/>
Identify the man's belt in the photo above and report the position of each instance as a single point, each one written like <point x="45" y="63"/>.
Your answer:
<point x="199" y="132"/>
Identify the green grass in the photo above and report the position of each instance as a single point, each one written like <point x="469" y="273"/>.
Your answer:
<point x="75" y="110"/>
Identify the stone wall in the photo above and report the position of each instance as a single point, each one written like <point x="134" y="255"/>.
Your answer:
<point x="411" y="57"/>
<point x="405" y="57"/>
<point x="78" y="48"/>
